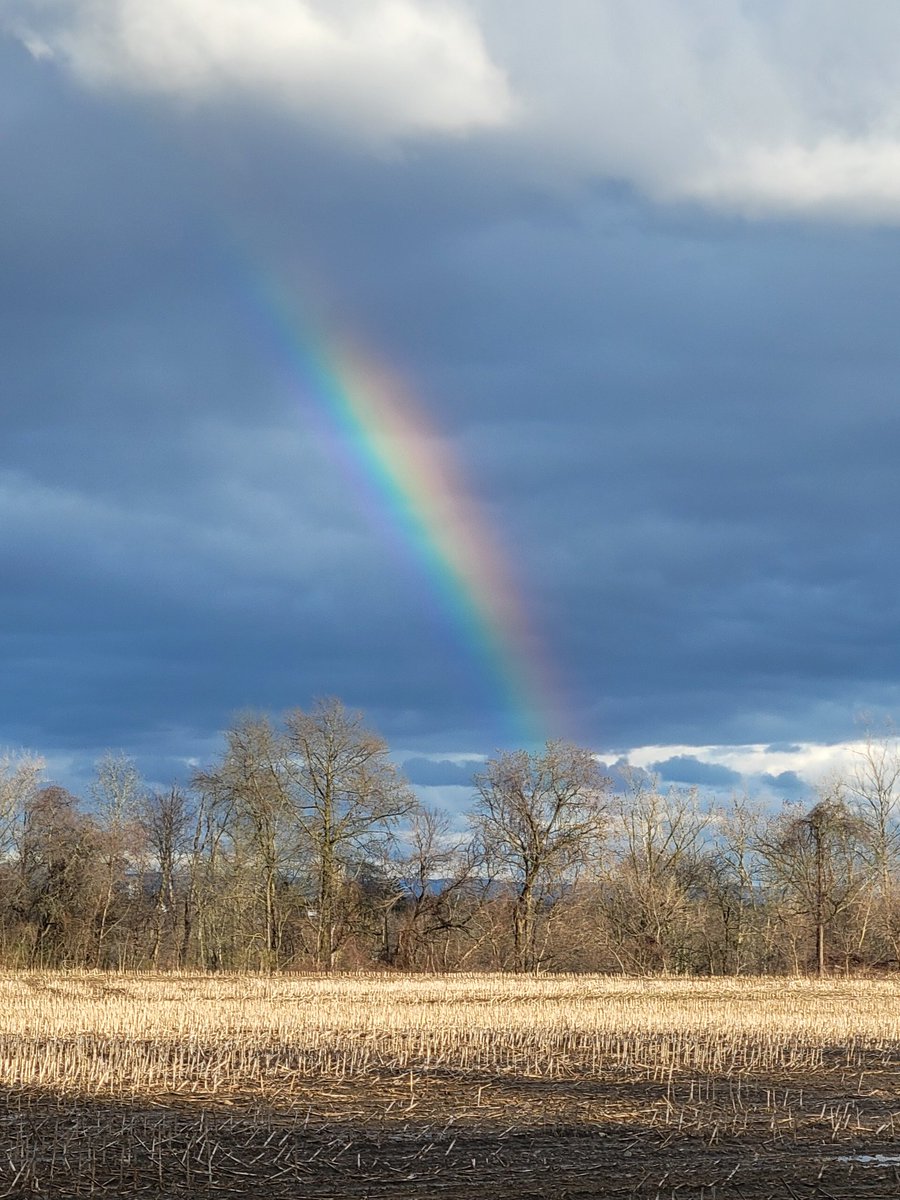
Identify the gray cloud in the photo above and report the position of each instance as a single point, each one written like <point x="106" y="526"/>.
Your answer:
<point x="684" y="768"/>
<point x="682" y="427"/>
<point x="622" y="774"/>
<point x="786" y="783"/>
<point x="758" y="109"/>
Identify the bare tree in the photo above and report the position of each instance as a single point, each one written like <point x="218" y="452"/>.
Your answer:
<point x="657" y="848"/>
<point x="206" y="893"/>
<point x="20" y="778"/>
<point x="252" y="780"/>
<point x="537" y="818"/>
<point x="347" y="796"/>
<point x="819" y="859"/>
<point x="433" y="899"/>
<point x="115" y="792"/>
<point x="59" y="889"/>
<point x="731" y="885"/>
<point x="166" y="821"/>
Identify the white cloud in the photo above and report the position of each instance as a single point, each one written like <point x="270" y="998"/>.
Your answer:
<point x="378" y="68"/>
<point x="761" y="107"/>
<point x="815" y="762"/>
<point x="859" y="178"/>
<point x="752" y="106"/>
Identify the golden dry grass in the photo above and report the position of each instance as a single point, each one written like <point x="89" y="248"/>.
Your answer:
<point x="135" y="1035"/>
<point x="394" y="1086"/>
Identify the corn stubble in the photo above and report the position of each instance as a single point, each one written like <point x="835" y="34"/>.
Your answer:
<point x="163" y="1084"/>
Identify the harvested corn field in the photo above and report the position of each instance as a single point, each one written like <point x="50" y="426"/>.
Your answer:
<point x="384" y="1085"/>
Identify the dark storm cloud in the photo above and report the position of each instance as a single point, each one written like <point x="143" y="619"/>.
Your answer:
<point x="683" y="425"/>
<point x="622" y="776"/>
<point x="786" y="783"/>
<point x="685" y="768"/>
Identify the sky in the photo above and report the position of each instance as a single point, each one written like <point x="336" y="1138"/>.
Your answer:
<point x="509" y="370"/>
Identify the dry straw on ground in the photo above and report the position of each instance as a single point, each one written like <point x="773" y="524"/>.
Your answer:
<point x="136" y="1035"/>
<point x="186" y="1082"/>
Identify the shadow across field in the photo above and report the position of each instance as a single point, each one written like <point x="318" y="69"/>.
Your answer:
<point x="416" y="1138"/>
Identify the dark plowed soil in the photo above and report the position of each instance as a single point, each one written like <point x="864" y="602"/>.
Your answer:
<point x="453" y="1138"/>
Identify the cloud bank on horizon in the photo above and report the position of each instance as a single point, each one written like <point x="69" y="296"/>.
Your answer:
<point x="638" y="262"/>
<point x="756" y="108"/>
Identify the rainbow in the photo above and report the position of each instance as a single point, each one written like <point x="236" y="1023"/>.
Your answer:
<point x="424" y="500"/>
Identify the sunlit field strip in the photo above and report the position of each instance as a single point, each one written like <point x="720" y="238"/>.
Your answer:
<point x="142" y="1034"/>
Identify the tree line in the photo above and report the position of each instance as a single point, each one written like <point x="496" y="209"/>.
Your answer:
<point x="303" y="848"/>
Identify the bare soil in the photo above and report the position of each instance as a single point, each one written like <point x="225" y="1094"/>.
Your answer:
<point x="441" y="1136"/>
